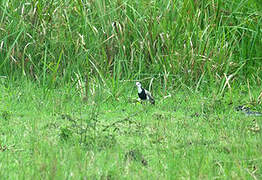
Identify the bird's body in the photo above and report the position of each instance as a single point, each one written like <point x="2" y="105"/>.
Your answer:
<point x="143" y="94"/>
<point x="247" y="111"/>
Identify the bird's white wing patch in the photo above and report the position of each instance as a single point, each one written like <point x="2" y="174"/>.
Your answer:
<point x="148" y="93"/>
<point x="149" y="97"/>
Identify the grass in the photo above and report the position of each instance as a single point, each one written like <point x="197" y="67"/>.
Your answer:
<point x="54" y="41"/>
<point x="67" y="95"/>
<point x="54" y="134"/>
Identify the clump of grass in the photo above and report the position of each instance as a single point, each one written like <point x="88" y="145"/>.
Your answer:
<point x="6" y="115"/>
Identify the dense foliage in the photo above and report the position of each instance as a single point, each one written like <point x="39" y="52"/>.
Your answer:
<point x="193" y="41"/>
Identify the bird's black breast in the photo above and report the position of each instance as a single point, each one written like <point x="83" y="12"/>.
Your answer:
<point x="142" y="95"/>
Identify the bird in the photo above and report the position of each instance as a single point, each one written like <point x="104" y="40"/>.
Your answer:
<point x="247" y="111"/>
<point x="144" y="94"/>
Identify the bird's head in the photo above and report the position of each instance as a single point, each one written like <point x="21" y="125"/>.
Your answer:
<point x="138" y="84"/>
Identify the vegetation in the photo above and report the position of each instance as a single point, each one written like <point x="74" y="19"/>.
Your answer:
<point x="54" y="134"/>
<point x="67" y="89"/>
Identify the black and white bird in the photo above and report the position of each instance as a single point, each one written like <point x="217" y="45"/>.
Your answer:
<point x="144" y="94"/>
<point x="247" y="111"/>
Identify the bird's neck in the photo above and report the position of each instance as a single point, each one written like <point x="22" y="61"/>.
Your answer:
<point x="139" y="89"/>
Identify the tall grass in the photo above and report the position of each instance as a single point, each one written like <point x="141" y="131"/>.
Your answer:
<point x="192" y="42"/>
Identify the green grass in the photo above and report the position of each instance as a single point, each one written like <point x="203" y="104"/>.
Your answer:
<point x="67" y="95"/>
<point x="54" y="134"/>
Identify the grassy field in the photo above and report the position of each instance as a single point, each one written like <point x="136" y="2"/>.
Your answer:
<point x="68" y="107"/>
<point x="54" y="134"/>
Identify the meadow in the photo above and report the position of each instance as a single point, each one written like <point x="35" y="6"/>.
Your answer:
<point x="68" y="101"/>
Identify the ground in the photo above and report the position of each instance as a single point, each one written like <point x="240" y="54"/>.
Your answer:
<point x="55" y="134"/>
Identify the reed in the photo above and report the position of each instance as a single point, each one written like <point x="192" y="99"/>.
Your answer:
<point x="197" y="43"/>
